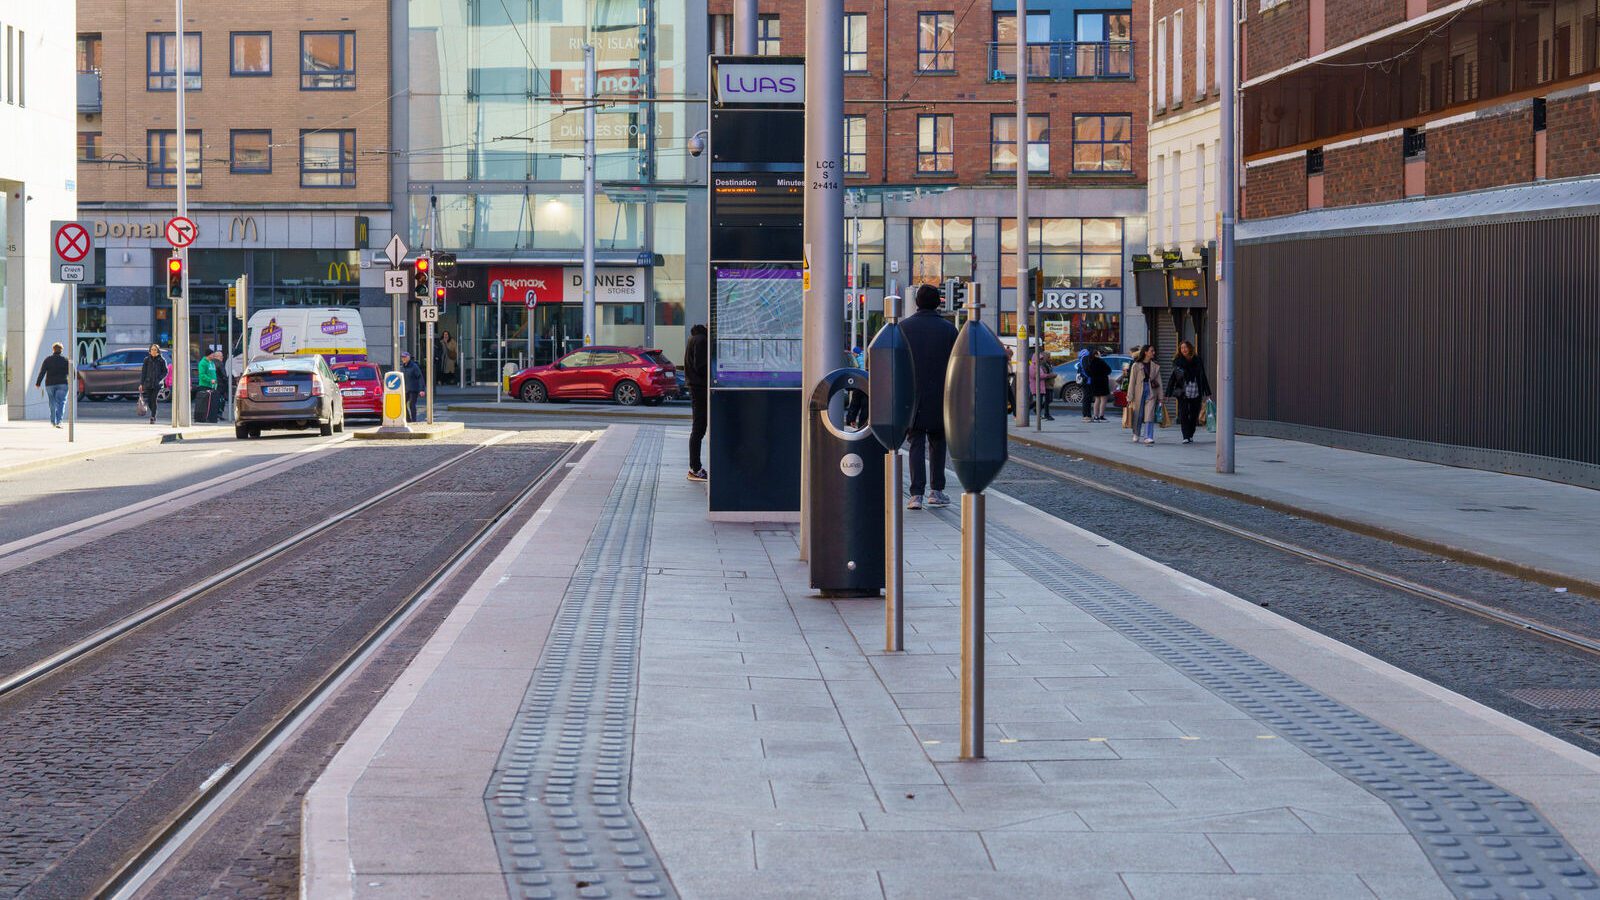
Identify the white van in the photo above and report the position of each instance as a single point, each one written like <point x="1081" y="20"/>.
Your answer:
<point x="334" y="333"/>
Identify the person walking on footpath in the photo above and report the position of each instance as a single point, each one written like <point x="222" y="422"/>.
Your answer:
<point x="1188" y="383"/>
<point x="1083" y="381"/>
<point x="695" y="372"/>
<point x="450" y="348"/>
<point x="52" y="382"/>
<point x="1144" y="395"/>
<point x="205" y="387"/>
<point x="152" y="375"/>
<point x="1097" y="384"/>
<point x="413" y="374"/>
<point x="1041" y="382"/>
<point x="930" y="338"/>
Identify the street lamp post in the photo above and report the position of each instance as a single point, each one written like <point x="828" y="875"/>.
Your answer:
<point x="180" y="306"/>
<point x="1228" y="207"/>
<point x="1023" y="285"/>
<point x="588" y="193"/>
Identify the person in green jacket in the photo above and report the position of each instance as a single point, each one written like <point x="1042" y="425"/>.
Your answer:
<point x="205" y="405"/>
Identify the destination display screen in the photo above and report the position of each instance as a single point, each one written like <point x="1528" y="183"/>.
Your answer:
<point x="755" y="199"/>
<point x="756" y="318"/>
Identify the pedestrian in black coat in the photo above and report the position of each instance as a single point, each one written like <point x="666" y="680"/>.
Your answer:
<point x="1098" y="372"/>
<point x="152" y="377"/>
<point x="696" y="372"/>
<point x="414" y="383"/>
<point x="1188" y="383"/>
<point x="930" y="337"/>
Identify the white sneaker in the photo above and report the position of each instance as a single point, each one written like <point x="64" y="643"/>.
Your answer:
<point x="915" y="502"/>
<point x="938" y="499"/>
<point x="1149" y="440"/>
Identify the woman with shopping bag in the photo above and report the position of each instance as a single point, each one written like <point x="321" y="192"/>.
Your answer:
<point x="1144" y="395"/>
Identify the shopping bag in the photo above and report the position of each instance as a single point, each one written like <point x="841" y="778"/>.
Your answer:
<point x="1210" y="415"/>
<point x="1161" y="415"/>
<point x="1127" y="417"/>
<point x="1205" y="413"/>
<point x="143" y="410"/>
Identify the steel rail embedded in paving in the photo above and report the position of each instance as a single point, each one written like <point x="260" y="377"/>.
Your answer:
<point x="79" y="649"/>
<point x="558" y="801"/>
<point x="214" y="794"/>
<point x="1455" y="601"/>
<point x="1484" y="841"/>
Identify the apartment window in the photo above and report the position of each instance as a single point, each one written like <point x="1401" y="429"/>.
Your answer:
<point x="1003" y="57"/>
<point x="1161" y="65"/>
<point x="769" y="36"/>
<point x="1174" y="209"/>
<point x="855" y="145"/>
<point x="1102" y="143"/>
<point x="250" y="54"/>
<point x="720" y="40"/>
<point x="1199" y="193"/>
<point x="89" y="48"/>
<point x="88" y="146"/>
<point x="936" y="42"/>
<point x="855" y="42"/>
<point x="1158" y="199"/>
<point x="161" y="149"/>
<point x="940" y="249"/>
<point x="936" y="153"/>
<point x="250" y="151"/>
<point x="161" y="61"/>
<point x="1201" y="25"/>
<point x="1177" y="58"/>
<point x="1003" y="143"/>
<point x="327" y="60"/>
<point x="328" y="158"/>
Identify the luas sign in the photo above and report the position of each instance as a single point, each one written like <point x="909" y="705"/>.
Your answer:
<point x="756" y="83"/>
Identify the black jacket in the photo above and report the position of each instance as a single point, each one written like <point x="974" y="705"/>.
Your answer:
<point x="695" y="363"/>
<point x="931" y="337"/>
<point x="414" y="377"/>
<point x="1185" y="371"/>
<point x="1098" y="371"/>
<point x="152" y="373"/>
<point x="52" y="371"/>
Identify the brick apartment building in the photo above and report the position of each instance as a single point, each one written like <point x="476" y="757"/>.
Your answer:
<point x="1417" y="262"/>
<point x="930" y="163"/>
<point x="288" y="164"/>
<point x="1174" y="283"/>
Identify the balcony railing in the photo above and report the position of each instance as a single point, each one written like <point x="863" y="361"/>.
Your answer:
<point x="1064" y="61"/>
<point x="88" y="92"/>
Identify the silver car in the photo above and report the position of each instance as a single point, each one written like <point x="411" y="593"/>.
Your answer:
<point x="297" y="393"/>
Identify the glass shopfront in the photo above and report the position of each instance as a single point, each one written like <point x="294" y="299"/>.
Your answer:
<point x="277" y="278"/>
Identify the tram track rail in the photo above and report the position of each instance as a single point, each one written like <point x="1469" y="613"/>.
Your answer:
<point x="1549" y="631"/>
<point x="170" y="837"/>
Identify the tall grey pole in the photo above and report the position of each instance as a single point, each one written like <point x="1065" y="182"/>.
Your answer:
<point x="894" y="538"/>
<point x="180" y="306"/>
<point x="823" y="282"/>
<point x="433" y="283"/>
<point x="1038" y="400"/>
<point x="500" y="342"/>
<point x="588" y="196"/>
<point x="72" y="368"/>
<point x="1023" y="287"/>
<point x="1228" y="206"/>
<point x="746" y="33"/>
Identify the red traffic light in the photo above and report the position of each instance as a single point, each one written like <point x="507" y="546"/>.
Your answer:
<point x="175" y="266"/>
<point x="438" y="294"/>
<point x="421" y="266"/>
<point x="174" y="276"/>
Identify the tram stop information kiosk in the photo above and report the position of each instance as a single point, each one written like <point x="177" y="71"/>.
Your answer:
<point x="756" y="145"/>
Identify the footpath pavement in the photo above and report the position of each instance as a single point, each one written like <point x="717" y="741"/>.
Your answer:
<point x="26" y="445"/>
<point x="635" y="702"/>
<point x="1525" y="526"/>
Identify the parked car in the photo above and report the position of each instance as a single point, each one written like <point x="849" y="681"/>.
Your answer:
<point x="360" y="387"/>
<point x="116" y="374"/>
<point x="1067" y="377"/>
<point x="628" y="375"/>
<point x="298" y="393"/>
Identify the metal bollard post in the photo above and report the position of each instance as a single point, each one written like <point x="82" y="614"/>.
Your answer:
<point x="894" y="613"/>
<point x="972" y="504"/>
<point x="891" y="405"/>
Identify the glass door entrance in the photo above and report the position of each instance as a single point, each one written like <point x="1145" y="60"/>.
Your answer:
<point x="557" y="329"/>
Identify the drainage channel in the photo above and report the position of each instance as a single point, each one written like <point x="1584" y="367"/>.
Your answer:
<point x="1484" y="841"/>
<point x="558" y="802"/>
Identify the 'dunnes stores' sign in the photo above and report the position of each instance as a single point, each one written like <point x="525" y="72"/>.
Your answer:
<point x="554" y="284"/>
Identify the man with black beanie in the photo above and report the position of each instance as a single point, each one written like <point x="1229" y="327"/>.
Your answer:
<point x="931" y="337"/>
<point x="694" y="378"/>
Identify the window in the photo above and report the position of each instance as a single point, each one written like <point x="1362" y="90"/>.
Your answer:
<point x="1177" y="58"/>
<point x="769" y="36"/>
<point x="855" y="42"/>
<point x="855" y="145"/>
<point x="1074" y="253"/>
<point x="940" y="249"/>
<point x="1201" y="86"/>
<point x="721" y="34"/>
<point x="327" y="60"/>
<point x="1174" y="208"/>
<point x="1004" y="57"/>
<point x="250" y="54"/>
<point x="1003" y="143"/>
<point x="936" y="37"/>
<point x="1161" y="65"/>
<point x="88" y="146"/>
<point x="88" y="53"/>
<point x="161" y="61"/>
<point x="162" y="152"/>
<point x="936" y="145"/>
<point x="869" y="249"/>
<point x="1200" y="194"/>
<point x="250" y="151"/>
<point x="1158" y="198"/>
<point x="328" y="158"/>
<point x="1102" y="143"/>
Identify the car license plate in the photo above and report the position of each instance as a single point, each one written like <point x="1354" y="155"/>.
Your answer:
<point x="353" y="392"/>
<point x="278" y="389"/>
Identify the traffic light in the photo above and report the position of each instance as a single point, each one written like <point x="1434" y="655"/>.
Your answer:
<point x="955" y="294"/>
<point x="444" y="262"/>
<point x="174" y="277"/>
<point x="1035" y="288"/>
<point x="419" y="277"/>
<point x="438" y="297"/>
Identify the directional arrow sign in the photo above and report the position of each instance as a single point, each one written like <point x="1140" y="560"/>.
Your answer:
<point x="396" y="250"/>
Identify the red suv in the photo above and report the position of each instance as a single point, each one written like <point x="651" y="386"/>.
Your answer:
<point x="628" y="375"/>
<point x="361" y="387"/>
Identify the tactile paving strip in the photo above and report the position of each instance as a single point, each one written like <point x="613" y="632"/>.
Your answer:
<point x="558" y="802"/>
<point x="1485" y="842"/>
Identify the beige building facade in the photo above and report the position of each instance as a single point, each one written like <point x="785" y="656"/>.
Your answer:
<point x="288" y="159"/>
